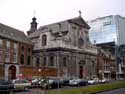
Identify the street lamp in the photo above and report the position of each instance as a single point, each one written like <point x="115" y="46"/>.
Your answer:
<point x="44" y="70"/>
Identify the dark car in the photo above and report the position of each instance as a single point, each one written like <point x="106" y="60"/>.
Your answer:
<point x="6" y="87"/>
<point x="52" y="84"/>
<point x="78" y="82"/>
<point x="65" y="82"/>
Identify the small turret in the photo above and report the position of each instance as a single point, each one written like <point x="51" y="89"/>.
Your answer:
<point x="33" y="26"/>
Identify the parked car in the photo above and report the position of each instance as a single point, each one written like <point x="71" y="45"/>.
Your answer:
<point x="21" y="84"/>
<point x="35" y="82"/>
<point x="6" y="86"/>
<point x="65" y="82"/>
<point x="52" y="83"/>
<point x="104" y="80"/>
<point x="93" y="81"/>
<point x="78" y="82"/>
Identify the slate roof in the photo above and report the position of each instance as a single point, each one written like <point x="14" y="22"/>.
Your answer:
<point x="77" y="20"/>
<point x="13" y="34"/>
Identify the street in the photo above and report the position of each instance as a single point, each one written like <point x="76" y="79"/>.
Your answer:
<point x="116" y="91"/>
<point x="31" y="91"/>
<point x="39" y="91"/>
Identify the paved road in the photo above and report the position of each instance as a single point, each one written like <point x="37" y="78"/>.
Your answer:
<point x="31" y="91"/>
<point x="116" y="91"/>
<point x="39" y="91"/>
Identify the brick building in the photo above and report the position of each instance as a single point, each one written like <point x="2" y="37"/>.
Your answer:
<point x="106" y="67"/>
<point x="15" y="52"/>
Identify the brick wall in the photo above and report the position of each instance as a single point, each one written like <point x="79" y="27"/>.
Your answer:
<point x="32" y="71"/>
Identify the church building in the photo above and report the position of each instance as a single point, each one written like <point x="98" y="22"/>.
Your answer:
<point x="63" y="49"/>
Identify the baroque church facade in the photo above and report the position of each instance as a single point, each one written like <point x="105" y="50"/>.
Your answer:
<point x="63" y="49"/>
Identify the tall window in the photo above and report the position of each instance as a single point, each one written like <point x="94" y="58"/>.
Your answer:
<point x="28" y="57"/>
<point x="28" y="60"/>
<point x="93" y="64"/>
<point x="0" y="56"/>
<point x="15" y="46"/>
<point x="44" y="61"/>
<point x="22" y="50"/>
<point x="22" y="55"/>
<point x="15" y="53"/>
<point x="22" y="59"/>
<point x="7" y="56"/>
<point x="37" y="62"/>
<point x="8" y="44"/>
<point x="64" y="61"/>
<point x="15" y="57"/>
<point x="51" y="61"/>
<point x="44" y="40"/>
<point x="1" y="43"/>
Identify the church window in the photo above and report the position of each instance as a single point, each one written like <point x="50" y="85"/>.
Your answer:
<point x="44" y="40"/>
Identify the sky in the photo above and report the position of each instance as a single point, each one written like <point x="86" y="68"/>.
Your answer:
<point x="19" y="13"/>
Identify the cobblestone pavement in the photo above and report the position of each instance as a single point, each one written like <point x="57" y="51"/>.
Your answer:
<point x="116" y="91"/>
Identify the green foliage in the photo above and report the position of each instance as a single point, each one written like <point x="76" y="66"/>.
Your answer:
<point x="91" y="89"/>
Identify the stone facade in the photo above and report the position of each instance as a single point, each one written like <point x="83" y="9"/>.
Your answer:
<point x="65" y="46"/>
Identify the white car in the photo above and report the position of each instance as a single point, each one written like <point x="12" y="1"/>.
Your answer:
<point x="104" y="80"/>
<point x="78" y="82"/>
<point x="93" y="81"/>
<point x="21" y="84"/>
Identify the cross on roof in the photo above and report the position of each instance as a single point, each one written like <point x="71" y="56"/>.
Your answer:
<point x="80" y="13"/>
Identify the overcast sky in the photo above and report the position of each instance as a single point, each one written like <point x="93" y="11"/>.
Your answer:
<point x="19" y="13"/>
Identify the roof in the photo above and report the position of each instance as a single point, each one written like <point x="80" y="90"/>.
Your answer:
<point x="77" y="20"/>
<point x="13" y="34"/>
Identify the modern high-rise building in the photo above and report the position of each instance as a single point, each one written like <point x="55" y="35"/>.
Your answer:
<point x="107" y="31"/>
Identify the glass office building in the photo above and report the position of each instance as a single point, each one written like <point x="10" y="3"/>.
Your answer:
<point x="107" y="29"/>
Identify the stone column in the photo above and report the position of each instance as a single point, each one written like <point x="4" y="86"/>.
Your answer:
<point x="58" y="64"/>
<point x="77" y="66"/>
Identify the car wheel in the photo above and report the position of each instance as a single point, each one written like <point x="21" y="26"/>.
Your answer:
<point x="78" y="84"/>
<point x="26" y="88"/>
<point x="11" y="92"/>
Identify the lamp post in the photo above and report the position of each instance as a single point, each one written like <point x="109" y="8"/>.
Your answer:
<point x="44" y="70"/>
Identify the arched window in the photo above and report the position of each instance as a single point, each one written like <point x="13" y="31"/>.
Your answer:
<point x="44" y="40"/>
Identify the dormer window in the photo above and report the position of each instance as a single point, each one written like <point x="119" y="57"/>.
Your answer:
<point x="44" y="40"/>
